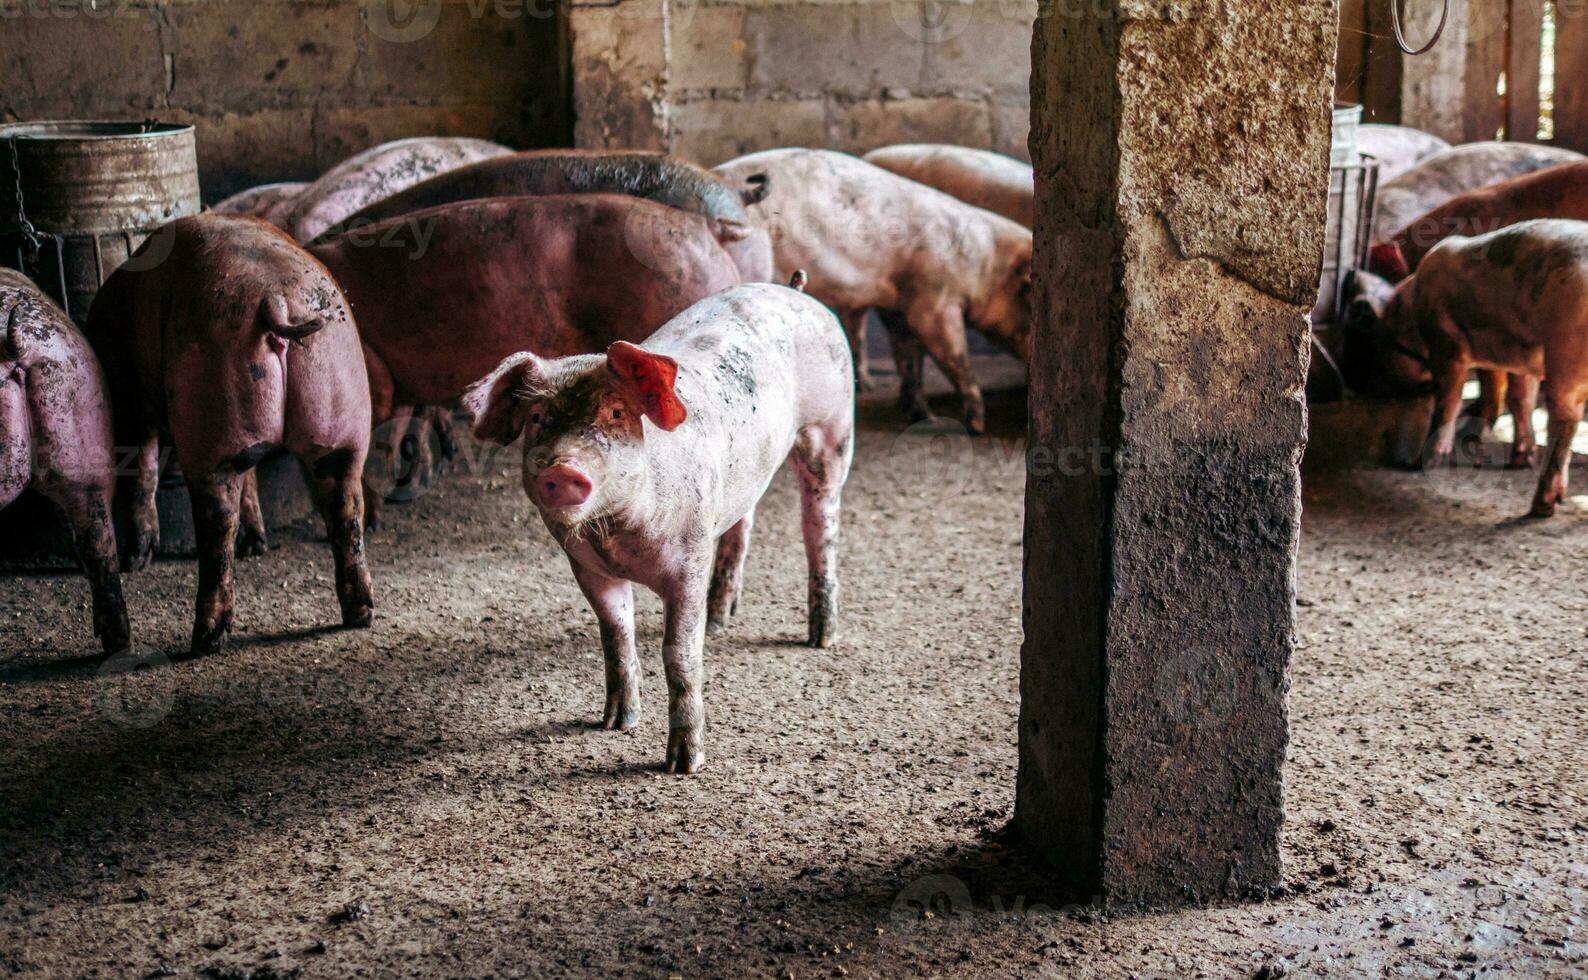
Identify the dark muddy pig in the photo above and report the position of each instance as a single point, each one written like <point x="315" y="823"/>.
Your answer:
<point x="652" y="176"/>
<point x="236" y="343"/>
<point x="55" y="436"/>
<point x="647" y="462"/>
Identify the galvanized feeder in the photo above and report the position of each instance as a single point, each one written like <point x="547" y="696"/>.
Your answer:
<point x="78" y="198"/>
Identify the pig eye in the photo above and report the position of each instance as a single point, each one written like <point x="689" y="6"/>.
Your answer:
<point x="617" y="413"/>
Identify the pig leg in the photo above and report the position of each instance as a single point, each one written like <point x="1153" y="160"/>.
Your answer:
<point x="214" y="502"/>
<point x="728" y="576"/>
<point x="16" y="443"/>
<point x="683" y="642"/>
<point x="251" y="539"/>
<point x="1449" y="377"/>
<point x="339" y="491"/>
<point x="943" y="333"/>
<point x="143" y="486"/>
<point x="1493" y="392"/>
<point x="613" y="602"/>
<point x="1521" y="397"/>
<point x="382" y="395"/>
<point x="446" y="432"/>
<point x="854" y="322"/>
<point x="87" y="509"/>
<point x="416" y="450"/>
<point x="910" y="357"/>
<point x="821" y="459"/>
<point x="1565" y="414"/>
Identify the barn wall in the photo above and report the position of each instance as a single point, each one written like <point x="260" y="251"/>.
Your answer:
<point x="281" y="89"/>
<point x="713" y="80"/>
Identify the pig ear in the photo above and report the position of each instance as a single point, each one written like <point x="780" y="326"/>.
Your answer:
<point x="650" y="377"/>
<point x="1387" y="260"/>
<point x="496" y="400"/>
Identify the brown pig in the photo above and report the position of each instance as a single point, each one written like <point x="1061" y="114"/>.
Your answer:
<point x="1513" y="300"/>
<point x="1000" y="184"/>
<point x="55" y="436"/>
<point x="228" y="340"/>
<point x="1438" y="178"/>
<point x="652" y="176"/>
<point x="870" y="238"/>
<point x="443" y="295"/>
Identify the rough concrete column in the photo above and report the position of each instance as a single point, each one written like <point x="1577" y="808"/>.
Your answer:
<point x="620" y="68"/>
<point x="1182" y="158"/>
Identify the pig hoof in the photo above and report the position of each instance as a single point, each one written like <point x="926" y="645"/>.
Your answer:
<point x="715" y="626"/>
<point x="822" y="634"/>
<point x="1542" y="511"/>
<point x="620" y="718"/>
<point x="209" y="643"/>
<point x="1521" y="461"/>
<point x="358" y="617"/>
<point x="251" y="543"/>
<point x="683" y="758"/>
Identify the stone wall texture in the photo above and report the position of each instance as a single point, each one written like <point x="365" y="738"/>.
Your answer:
<point x="282" y="89"/>
<point x="1182" y="172"/>
<point x="713" y="80"/>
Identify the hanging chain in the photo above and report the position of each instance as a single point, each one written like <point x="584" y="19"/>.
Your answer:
<point x="29" y="233"/>
<point x="1400" y="32"/>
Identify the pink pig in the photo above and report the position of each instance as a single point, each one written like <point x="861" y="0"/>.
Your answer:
<point x="236" y="343"/>
<point x="646" y="464"/>
<point x="55" y="436"/>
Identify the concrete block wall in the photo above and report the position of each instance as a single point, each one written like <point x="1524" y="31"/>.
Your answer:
<point x="282" y="89"/>
<point x="713" y="79"/>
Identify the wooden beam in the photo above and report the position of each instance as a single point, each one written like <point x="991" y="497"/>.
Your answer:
<point x="1571" y="74"/>
<point x="1525" y="45"/>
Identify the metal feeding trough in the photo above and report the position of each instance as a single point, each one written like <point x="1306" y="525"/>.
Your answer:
<point x="78" y="198"/>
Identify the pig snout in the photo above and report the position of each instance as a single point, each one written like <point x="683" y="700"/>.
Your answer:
<point x="562" y="486"/>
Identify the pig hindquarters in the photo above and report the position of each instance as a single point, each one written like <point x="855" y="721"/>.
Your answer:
<point x="237" y="343"/>
<point x="730" y="388"/>
<point x="870" y="238"/>
<point x="55" y="436"/>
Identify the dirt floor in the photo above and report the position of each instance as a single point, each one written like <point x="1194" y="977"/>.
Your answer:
<point x="429" y="797"/>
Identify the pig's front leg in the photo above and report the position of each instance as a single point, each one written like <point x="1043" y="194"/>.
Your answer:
<point x="854" y="321"/>
<point x="1565" y="413"/>
<point x="942" y="330"/>
<point x="683" y="647"/>
<point x="910" y="357"/>
<point x="214" y="499"/>
<point x="251" y="537"/>
<point x="727" y="578"/>
<point x="821" y="458"/>
<point x="1450" y="375"/>
<point x="612" y="600"/>
<point x="1522" y="397"/>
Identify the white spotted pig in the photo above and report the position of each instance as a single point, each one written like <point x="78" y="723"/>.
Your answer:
<point x="55" y="436"/>
<point x="647" y="462"/>
<point x="870" y="238"/>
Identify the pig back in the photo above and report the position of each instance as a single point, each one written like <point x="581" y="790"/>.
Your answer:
<point x="443" y="295"/>
<point x="1554" y="192"/>
<point x="1000" y="184"/>
<point x="1456" y="171"/>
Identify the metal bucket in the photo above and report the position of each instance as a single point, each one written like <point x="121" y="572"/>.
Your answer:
<point x="77" y="198"/>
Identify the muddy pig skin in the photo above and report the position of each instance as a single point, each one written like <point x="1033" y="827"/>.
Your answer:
<point x="236" y="342"/>
<point x="259" y="201"/>
<point x="443" y="295"/>
<point x="367" y="177"/>
<point x="646" y="464"/>
<point x="55" y="436"/>
<point x="1456" y="171"/>
<point x="1000" y="184"/>
<point x="652" y="176"/>
<point x="1397" y="148"/>
<point x="870" y="238"/>
<point x="1514" y="300"/>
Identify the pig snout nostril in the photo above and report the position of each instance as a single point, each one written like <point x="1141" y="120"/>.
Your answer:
<point x="563" y="486"/>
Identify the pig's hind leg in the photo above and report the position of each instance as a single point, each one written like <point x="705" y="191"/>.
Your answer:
<point x="1565" y="414"/>
<point x="87" y="509"/>
<point x="339" y="490"/>
<point x="251" y="536"/>
<point x="821" y="458"/>
<point x="1522" y="397"/>
<point x="613" y="602"/>
<point x="909" y="355"/>
<point x="727" y="578"/>
<point x="215" y="503"/>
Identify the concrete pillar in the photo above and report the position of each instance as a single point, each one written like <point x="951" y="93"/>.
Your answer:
<point x="1182" y="159"/>
<point x="619" y="52"/>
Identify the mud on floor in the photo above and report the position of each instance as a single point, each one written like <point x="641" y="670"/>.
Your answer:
<point x="429" y="796"/>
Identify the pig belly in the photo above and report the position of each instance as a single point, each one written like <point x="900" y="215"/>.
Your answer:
<point x="16" y="456"/>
